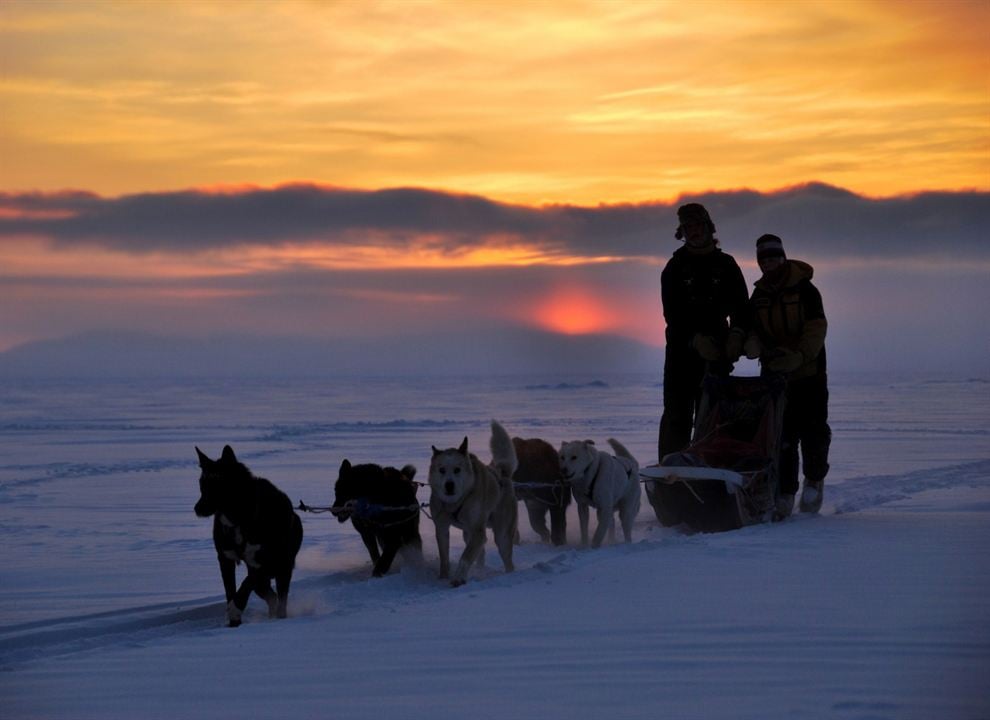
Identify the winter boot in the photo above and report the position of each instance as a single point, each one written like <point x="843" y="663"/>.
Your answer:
<point x="812" y="495"/>
<point x="783" y="507"/>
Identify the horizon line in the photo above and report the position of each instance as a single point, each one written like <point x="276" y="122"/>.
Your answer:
<point x="236" y="189"/>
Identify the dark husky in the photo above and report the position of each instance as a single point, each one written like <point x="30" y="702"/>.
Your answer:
<point x="253" y="521"/>
<point x="538" y="482"/>
<point x="381" y="504"/>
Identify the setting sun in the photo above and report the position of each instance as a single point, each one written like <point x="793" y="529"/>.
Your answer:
<point x="574" y="312"/>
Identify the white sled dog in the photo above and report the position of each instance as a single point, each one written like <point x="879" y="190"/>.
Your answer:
<point x="608" y="483"/>
<point x="471" y="496"/>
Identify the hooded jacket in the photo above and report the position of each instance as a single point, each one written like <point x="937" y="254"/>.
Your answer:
<point x="790" y="315"/>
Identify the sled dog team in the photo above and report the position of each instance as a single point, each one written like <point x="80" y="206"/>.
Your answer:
<point x="255" y="523"/>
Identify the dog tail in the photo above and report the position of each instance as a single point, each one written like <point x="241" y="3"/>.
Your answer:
<point x="504" y="460"/>
<point x="620" y="450"/>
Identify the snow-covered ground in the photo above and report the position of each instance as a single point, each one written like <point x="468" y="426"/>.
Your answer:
<point x="110" y="601"/>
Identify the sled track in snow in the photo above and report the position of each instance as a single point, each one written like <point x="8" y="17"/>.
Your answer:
<point x="136" y="626"/>
<point x="876" y="490"/>
<point x="339" y="593"/>
<point x="130" y="627"/>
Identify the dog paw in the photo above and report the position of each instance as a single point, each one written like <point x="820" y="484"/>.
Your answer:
<point x="457" y="582"/>
<point x="233" y="615"/>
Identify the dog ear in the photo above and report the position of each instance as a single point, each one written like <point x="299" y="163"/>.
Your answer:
<point x="435" y="451"/>
<point x="204" y="462"/>
<point x="590" y="442"/>
<point x="228" y="454"/>
<point x="463" y="448"/>
<point x="345" y="466"/>
<point x="408" y="472"/>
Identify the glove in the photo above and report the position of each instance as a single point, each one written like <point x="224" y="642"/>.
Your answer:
<point x="753" y="348"/>
<point x="785" y="361"/>
<point x="706" y="347"/>
<point x="733" y="345"/>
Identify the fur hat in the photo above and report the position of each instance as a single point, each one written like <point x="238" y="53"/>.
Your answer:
<point x="693" y="212"/>
<point x="768" y="246"/>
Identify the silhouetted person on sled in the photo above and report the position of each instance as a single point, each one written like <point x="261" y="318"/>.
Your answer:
<point x="788" y="336"/>
<point x="704" y="295"/>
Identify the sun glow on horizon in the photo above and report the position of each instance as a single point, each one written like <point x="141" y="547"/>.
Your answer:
<point x="573" y="311"/>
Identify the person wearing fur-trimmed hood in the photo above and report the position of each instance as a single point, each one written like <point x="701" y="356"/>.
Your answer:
<point x="704" y="301"/>
<point x="788" y="336"/>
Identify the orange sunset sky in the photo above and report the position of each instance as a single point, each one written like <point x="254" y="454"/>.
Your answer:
<point x="526" y="104"/>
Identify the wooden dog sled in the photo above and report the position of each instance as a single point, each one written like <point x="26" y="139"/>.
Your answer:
<point x="727" y="477"/>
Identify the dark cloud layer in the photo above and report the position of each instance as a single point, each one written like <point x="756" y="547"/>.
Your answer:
<point x="815" y="220"/>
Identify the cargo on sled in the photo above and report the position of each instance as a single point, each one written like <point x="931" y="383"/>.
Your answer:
<point x="727" y="477"/>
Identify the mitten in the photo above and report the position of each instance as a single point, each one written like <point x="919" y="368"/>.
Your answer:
<point x="753" y="348"/>
<point x="734" y="345"/>
<point x="786" y="361"/>
<point x="706" y="347"/>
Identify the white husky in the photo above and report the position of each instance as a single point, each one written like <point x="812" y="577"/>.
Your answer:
<point x="471" y="496"/>
<point x="608" y="483"/>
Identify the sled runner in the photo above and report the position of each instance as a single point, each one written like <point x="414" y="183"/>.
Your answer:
<point x="727" y="477"/>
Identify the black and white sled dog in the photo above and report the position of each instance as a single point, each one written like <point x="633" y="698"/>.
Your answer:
<point x="254" y="523"/>
<point x="610" y="484"/>
<point x="381" y="504"/>
<point x="471" y="496"/>
<point x="538" y="482"/>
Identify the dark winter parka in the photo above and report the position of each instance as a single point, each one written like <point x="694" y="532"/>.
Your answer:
<point x="698" y="292"/>
<point x="791" y="316"/>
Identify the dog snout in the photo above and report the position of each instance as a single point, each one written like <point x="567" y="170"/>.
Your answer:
<point x="203" y="508"/>
<point x="448" y="487"/>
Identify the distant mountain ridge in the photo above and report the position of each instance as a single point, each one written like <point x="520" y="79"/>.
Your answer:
<point x="125" y="355"/>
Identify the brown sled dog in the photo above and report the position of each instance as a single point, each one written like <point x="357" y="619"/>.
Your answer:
<point x="539" y="483"/>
